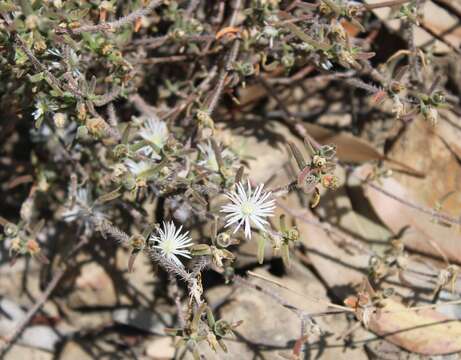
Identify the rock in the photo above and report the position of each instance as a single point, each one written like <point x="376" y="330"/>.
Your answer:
<point x="435" y="18"/>
<point x="141" y="279"/>
<point x="270" y="330"/>
<point x="39" y="336"/>
<point x="435" y="151"/>
<point x="160" y="349"/>
<point x="93" y="287"/>
<point x="268" y="158"/>
<point x="26" y="353"/>
<point x="143" y="319"/>
<point x="72" y="350"/>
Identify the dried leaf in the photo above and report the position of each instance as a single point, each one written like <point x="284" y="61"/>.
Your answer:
<point x="227" y="30"/>
<point x="437" y="152"/>
<point x="239" y="174"/>
<point x="424" y="234"/>
<point x="131" y="260"/>
<point x="329" y="252"/>
<point x="353" y="149"/>
<point x="425" y="332"/>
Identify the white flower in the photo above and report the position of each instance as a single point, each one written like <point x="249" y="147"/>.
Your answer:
<point x="155" y="132"/>
<point x="172" y="243"/>
<point x="55" y="52"/>
<point x="209" y="161"/>
<point x="326" y="64"/>
<point x="209" y="157"/>
<point x="83" y="208"/>
<point x="40" y="109"/>
<point x="137" y="168"/>
<point x="248" y="207"/>
<point x="82" y="203"/>
<point x="147" y="151"/>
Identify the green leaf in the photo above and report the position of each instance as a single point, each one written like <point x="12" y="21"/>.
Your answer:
<point x="20" y="57"/>
<point x="261" y="246"/>
<point x="7" y="6"/>
<point x="109" y="196"/>
<point x="298" y="156"/>
<point x="286" y="254"/>
<point x="37" y="77"/>
<point x="306" y="38"/>
<point x="38" y="122"/>
<point x="78" y="14"/>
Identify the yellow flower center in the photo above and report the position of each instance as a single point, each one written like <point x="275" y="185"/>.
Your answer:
<point x="168" y="246"/>
<point x="247" y="208"/>
<point x="157" y="140"/>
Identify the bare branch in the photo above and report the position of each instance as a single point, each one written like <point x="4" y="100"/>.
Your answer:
<point x="114" y="25"/>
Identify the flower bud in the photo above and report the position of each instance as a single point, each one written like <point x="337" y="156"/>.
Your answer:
<point x="59" y="120"/>
<point x="32" y="247"/>
<point x="223" y="239"/>
<point x="97" y="126"/>
<point x="32" y="22"/>
<point x="81" y="111"/>
<point x="432" y="115"/>
<point x="10" y="230"/>
<point x="137" y="242"/>
<point x="319" y="161"/>
<point x="120" y="151"/>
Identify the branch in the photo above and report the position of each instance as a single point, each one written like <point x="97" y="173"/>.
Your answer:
<point x="41" y="301"/>
<point x="233" y="53"/>
<point x="31" y="313"/>
<point x="448" y="7"/>
<point x="439" y="37"/>
<point x="420" y="208"/>
<point x="107" y="228"/>
<point x="39" y="66"/>
<point x="114" y="25"/>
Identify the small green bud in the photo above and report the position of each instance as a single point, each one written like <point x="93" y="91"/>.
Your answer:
<point x="120" y="151"/>
<point x="292" y="234"/>
<point x="223" y="239"/>
<point x="204" y="119"/>
<point x="438" y="98"/>
<point x="10" y="229"/>
<point x="82" y="132"/>
<point x="221" y="328"/>
<point x="246" y="69"/>
<point x="288" y="60"/>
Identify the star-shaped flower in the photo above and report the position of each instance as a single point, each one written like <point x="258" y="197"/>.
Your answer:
<point x="137" y="168"/>
<point x="172" y="243"/>
<point x="155" y="132"/>
<point x="248" y="208"/>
